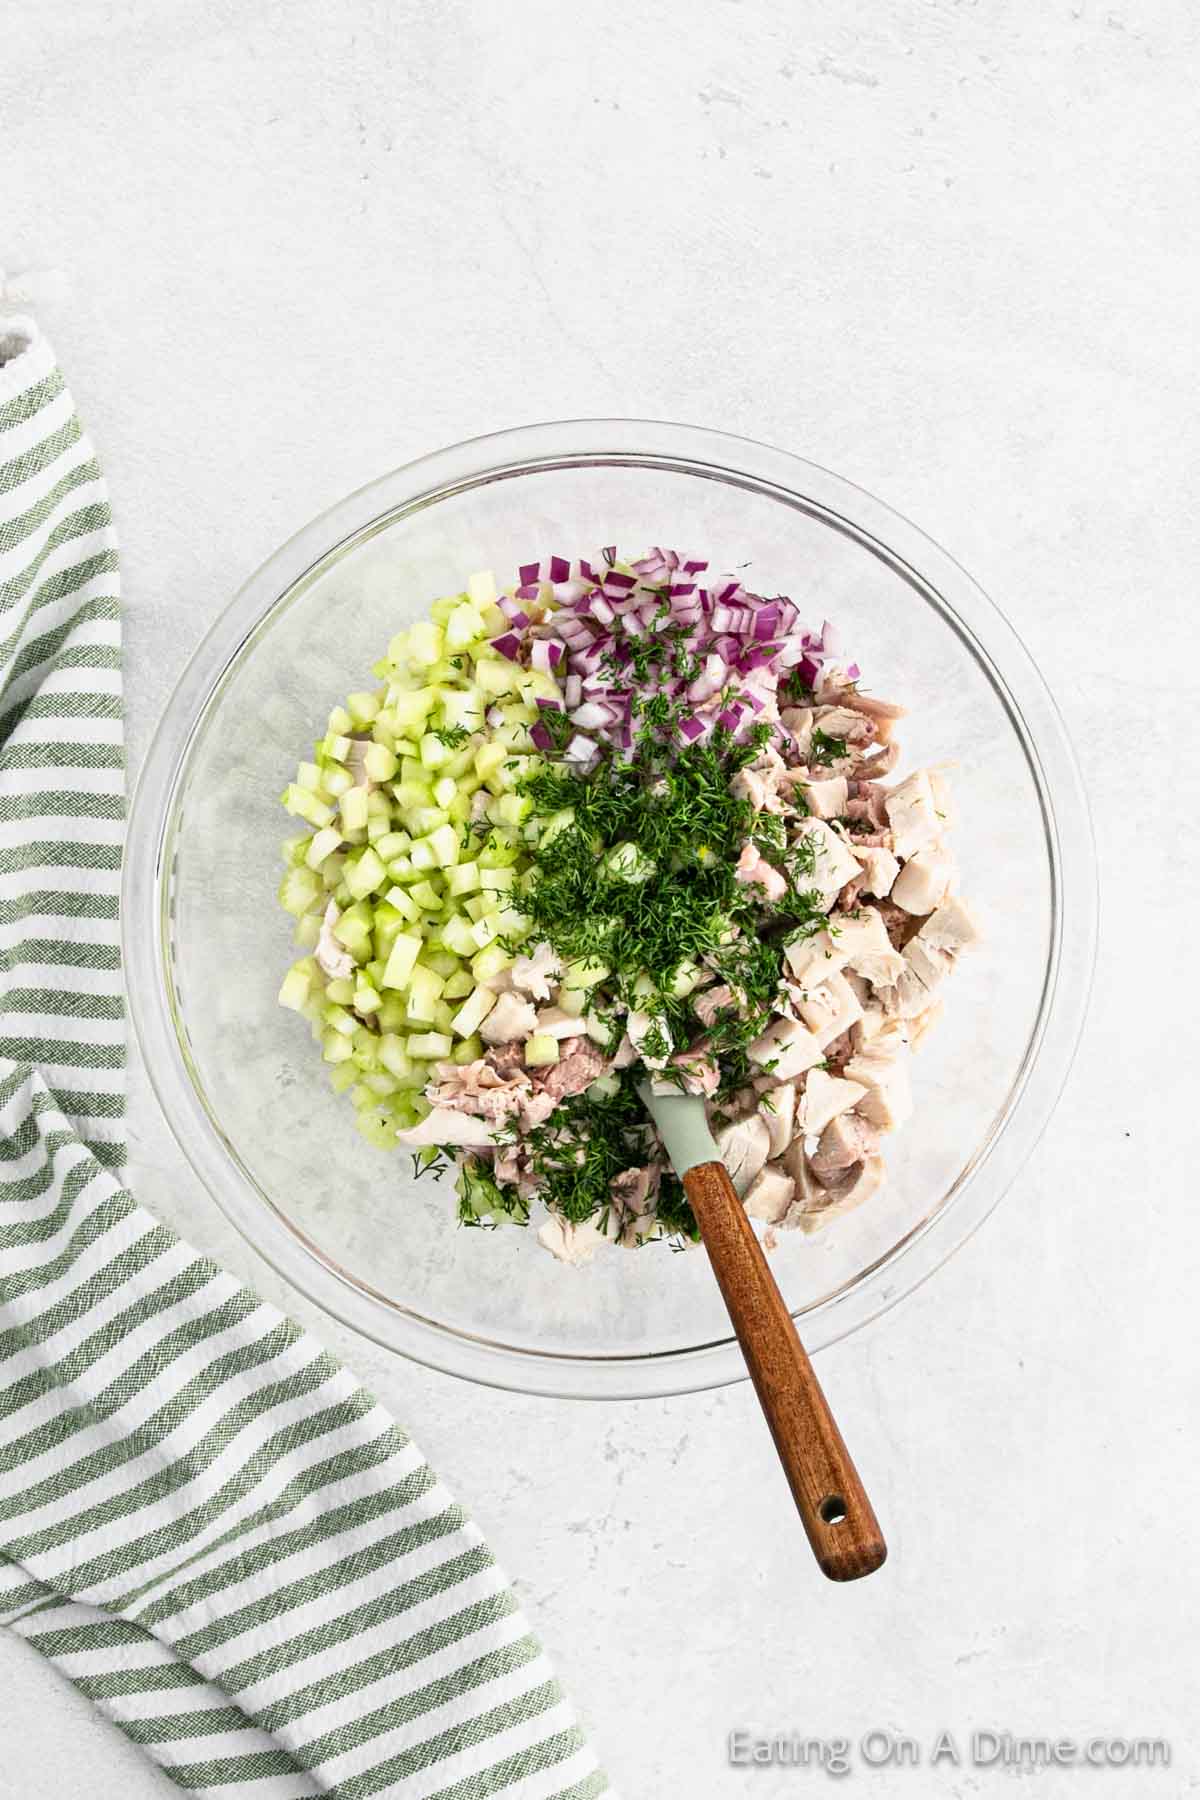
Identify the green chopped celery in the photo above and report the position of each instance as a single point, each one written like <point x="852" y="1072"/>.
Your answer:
<point x="297" y="984"/>
<point x="393" y="1055"/>
<point x="427" y="897"/>
<point x="342" y="1076"/>
<point x="353" y="809"/>
<point x="378" y="1125"/>
<point x="340" y="991"/>
<point x="299" y="891"/>
<point x="431" y="1044"/>
<point x="401" y="960"/>
<point x="465" y="877"/>
<point x="365" y="873"/>
<point x="363" y="709"/>
<point x="340" y="721"/>
<point x="335" y="1048"/>
<point x="307" y="806"/>
<point x="366" y="999"/>
<point x="321" y="846"/>
<point x="459" y="985"/>
<point x="393" y="1016"/>
<point x="424" y="992"/>
<point x="541" y="1050"/>
<point x="308" y="932"/>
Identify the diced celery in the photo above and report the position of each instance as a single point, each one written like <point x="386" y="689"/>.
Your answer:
<point x="605" y="1087"/>
<point x="443" y="1017"/>
<point x="411" y="710"/>
<point x="339" y="1020"/>
<point x="421" y="820"/>
<point x="469" y="1051"/>
<point x="444" y="842"/>
<point x="464" y="878"/>
<point x="497" y="881"/>
<point x="401" y="869"/>
<point x="462" y="706"/>
<point x="403" y="902"/>
<point x="401" y="960"/>
<point x="427" y="897"/>
<point x="434" y="751"/>
<point x="459" y="985"/>
<point x="297" y="984"/>
<point x="463" y="627"/>
<point x="424" y="992"/>
<point x="305" y="805"/>
<point x="341" y="1077"/>
<point x="458" y="937"/>
<point x="353" y="808"/>
<point x="424" y="644"/>
<point x="573" y="1001"/>
<point x="337" y="780"/>
<point x="431" y="1044"/>
<point x="363" y="709"/>
<point x="540" y="1050"/>
<point x="481" y="589"/>
<point x="308" y="932"/>
<point x="308" y="775"/>
<point x="484" y="930"/>
<point x="496" y="676"/>
<point x="365" y="874"/>
<point x="300" y="890"/>
<point x="422" y="856"/>
<point x="477" y="906"/>
<point x="489" y="758"/>
<point x="584" y="974"/>
<point x="392" y="1015"/>
<point x="378" y="1086"/>
<point x="366" y="999"/>
<point x="322" y="845"/>
<point x="295" y="850"/>
<point x="379" y="762"/>
<point x="473" y="1012"/>
<point x="442" y="962"/>
<point x="490" y="962"/>
<point x="392" y="844"/>
<point x="445" y="789"/>
<point x="340" y="722"/>
<point x="335" y="1048"/>
<point x="378" y="1125"/>
<point x="514" y="809"/>
<point x="393" y="1055"/>
<point x="340" y="991"/>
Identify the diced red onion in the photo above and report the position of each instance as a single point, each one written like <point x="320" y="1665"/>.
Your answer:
<point x="508" y="645"/>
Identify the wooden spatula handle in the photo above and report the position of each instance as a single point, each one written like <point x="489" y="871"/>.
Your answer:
<point x="838" y="1517"/>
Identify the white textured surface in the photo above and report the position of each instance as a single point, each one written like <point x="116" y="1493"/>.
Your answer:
<point x="948" y="250"/>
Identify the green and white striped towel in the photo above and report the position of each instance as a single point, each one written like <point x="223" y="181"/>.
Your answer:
<point x="205" y="1522"/>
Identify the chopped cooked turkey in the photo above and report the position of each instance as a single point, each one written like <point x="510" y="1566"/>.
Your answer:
<point x="924" y="881"/>
<point x="829" y="1009"/>
<point x="743" y="1148"/>
<point x="511" y="1018"/>
<point x="575" y="1244"/>
<point x="778" y="1109"/>
<point x="847" y="1139"/>
<point x="711" y="1002"/>
<point x="879" y="870"/>
<point x="753" y="870"/>
<point x="447" y="1125"/>
<point x="534" y="973"/>
<point x="859" y="1183"/>
<point x="912" y="815"/>
<point x="888" y="1101"/>
<point x="826" y="799"/>
<point x="333" y="957"/>
<point x="824" y="1097"/>
<point x="785" y="1049"/>
<point x="834" y="861"/>
<point x="815" y="958"/>
<point x="552" y="1021"/>
<point x="769" y="1194"/>
<point x="865" y="947"/>
<point x="951" y="929"/>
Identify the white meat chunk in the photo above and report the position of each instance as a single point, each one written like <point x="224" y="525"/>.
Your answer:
<point x="814" y="958"/>
<point x="834" y="862"/>
<point x="553" y="1022"/>
<point x="574" y="1244"/>
<point x="778" y="1108"/>
<point x="847" y="1139"/>
<point x="641" y="1027"/>
<point x="924" y="881"/>
<point x="824" y="1097"/>
<point x="829" y="1009"/>
<point x="799" y="721"/>
<point x="743" y="1148"/>
<point x="788" y="1046"/>
<point x="534" y="973"/>
<point x="769" y="1194"/>
<point x="950" y="930"/>
<point x="333" y="957"/>
<point x="447" y="1125"/>
<point x="859" y="1184"/>
<point x="888" y="1101"/>
<point x="925" y="967"/>
<point x="879" y="870"/>
<point x="826" y="799"/>
<point x="866" y="948"/>
<point x="912" y="815"/>
<point x="512" y="1017"/>
<point x="924" y="1022"/>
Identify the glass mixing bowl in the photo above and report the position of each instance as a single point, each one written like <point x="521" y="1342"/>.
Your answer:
<point x="206" y="945"/>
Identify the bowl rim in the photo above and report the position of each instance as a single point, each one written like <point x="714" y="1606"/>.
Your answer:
<point x="685" y="449"/>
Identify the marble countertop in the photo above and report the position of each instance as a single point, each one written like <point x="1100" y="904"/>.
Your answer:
<point x="949" y="251"/>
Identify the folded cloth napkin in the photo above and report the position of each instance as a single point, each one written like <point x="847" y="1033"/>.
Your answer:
<point x="205" y="1523"/>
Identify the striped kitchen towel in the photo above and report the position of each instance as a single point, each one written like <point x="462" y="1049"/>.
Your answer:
<point x="205" y="1523"/>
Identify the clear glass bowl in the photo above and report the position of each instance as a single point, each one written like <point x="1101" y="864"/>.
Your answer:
<point x="205" y="943"/>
